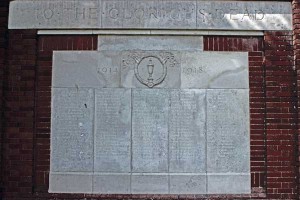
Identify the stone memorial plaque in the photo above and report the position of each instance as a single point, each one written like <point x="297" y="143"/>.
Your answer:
<point x="150" y="14"/>
<point x="150" y="119"/>
<point x="228" y="148"/>
<point x="113" y="130"/>
<point x="150" y="43"/>
<point x="148" y="69"/>
<point x="72" y="130"/>
<point x="214" y="70"/>
<point x="187" y="149"/>
<point x="150" y="112"/>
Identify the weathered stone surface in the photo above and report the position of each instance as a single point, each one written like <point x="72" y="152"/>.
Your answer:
<point x="110" y="123"/>
<point x="70" y="183"/>
<point x="136" y="71"/>
<point x="109" y="69"/>
<point x="72" y="130"/>
<point x="228" y="146"/>
<point x="130" y="69"/>
<point x="113" y="130"/>
<point x="188" y="184"/>
<point x="150" y="14"/>
<point x="150" y="43"/>
<point x="86" y="69"/>
<point x="229" y="183"/>
<point x="187" y="142"/>
<point x="149" y="184"/>
<point x="150" y="130"/>
<point x="64" y="14"/>
<point x="214" y="70"/>
<point x="244" y="15"/>
<point x="111" y="183"/>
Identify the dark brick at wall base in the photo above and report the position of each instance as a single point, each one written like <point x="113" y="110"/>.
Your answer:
<point x="3" y="46"/>
<point x="25" y="75"/>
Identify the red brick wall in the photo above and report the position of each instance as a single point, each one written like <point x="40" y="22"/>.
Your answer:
<point x="281" y="115"/>
<point x="19" y="112"/>
<point x="3" y="46"/>
<point x="46" y="46"/>
<point x="296" y="43"/>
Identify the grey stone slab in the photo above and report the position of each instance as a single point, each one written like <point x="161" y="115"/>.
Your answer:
<point x="228" y="125"/>
<point x="149" y="184"/>
<point x="188" y="184"/>
<point x="150" y="130"/>
<point x="61" y="14"/>
<point x="149" y="14"/>
<point x="187" y="130"/>
<point x="214" y="70"/>
<point x="150" y="43"/>
<point x="238" y="15"/>
<point x="109" y="68"/>
<point x="111" y="184"/>
<point x="228" y="184"/>
<point x="164" y="72"/>
<point x="86" y="69"/>
<point x="70" y="183"/>
<point x="113" y="130"/>
<point x="72" y="130"/>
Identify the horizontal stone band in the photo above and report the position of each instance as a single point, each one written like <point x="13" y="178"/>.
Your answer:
<point x="150" y="14"/>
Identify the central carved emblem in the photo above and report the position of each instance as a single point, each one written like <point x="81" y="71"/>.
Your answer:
<point x="150" y="68"/>
<point x="150" y="71"/>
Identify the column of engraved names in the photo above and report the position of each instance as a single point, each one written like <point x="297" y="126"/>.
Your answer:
<point x="150" y="130"/>
<point x="228" y="130"/>
<point x="72" y="130"/>
<point x="187" y="131"/>
<point x="113" y="130"/>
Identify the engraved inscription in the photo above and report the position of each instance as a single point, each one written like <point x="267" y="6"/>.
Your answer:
<point x="242" y="15"/>
<point x="113" y="130"/>
<point x="227" y="130"/>
<point x="72" y="10"/>
<point x="72" y="130"/>
<point x="233" y="13"/>
<point x="187" y="131"/>
<point x="194" y="70"/>
<point x="150" y="130"/>
<point x="150" y="14"/>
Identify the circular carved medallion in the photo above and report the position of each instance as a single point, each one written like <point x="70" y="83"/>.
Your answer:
<point x="150" y="71"/>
